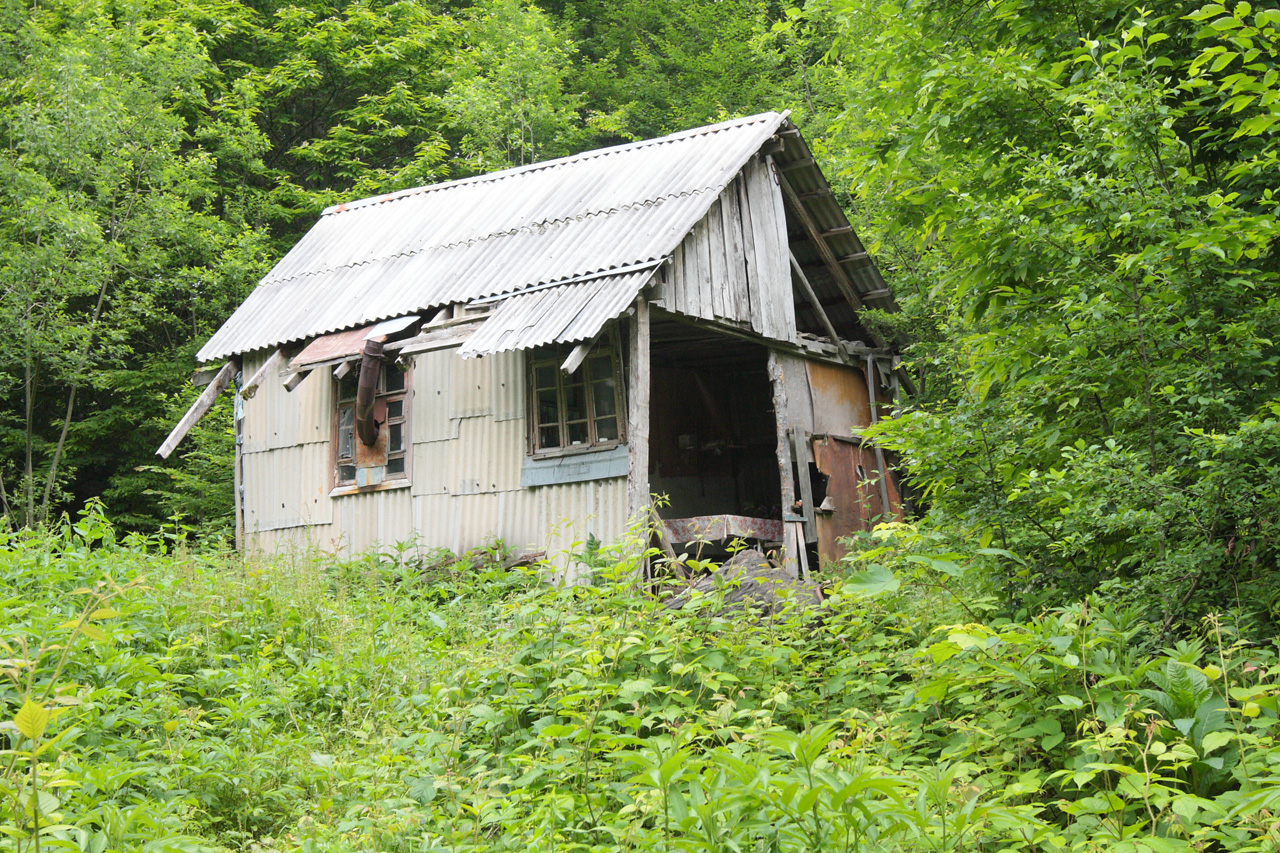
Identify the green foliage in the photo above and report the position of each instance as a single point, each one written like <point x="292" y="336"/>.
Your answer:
<point x="1098" y="288"/>
<point x="161" y="698"/>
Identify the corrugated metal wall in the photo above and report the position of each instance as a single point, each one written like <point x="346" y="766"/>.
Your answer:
<point x="733" y="265"/>
<point x="469" y="444"/>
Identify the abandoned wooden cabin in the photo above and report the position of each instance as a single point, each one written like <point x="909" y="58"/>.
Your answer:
<point x="531" y="354"/>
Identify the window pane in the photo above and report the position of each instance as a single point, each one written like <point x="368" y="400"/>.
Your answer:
<point x="394" y="378"/>
<point x="601" y="368"/>
<point x="605" y="397"/>
<point x="395" y="465"/>
<point x="346" y="473"/>
<point x="577" y="432"/>
<point x="544" y="376"/>
<point x="395" y="437"/>
<point x="395" y="410"/>
<point x="346" y="433"/>
<point x="548" y="407"/>
<point x="548" y="436"/>
<point x="575" y="401"/>
<point x="607" y="429"/>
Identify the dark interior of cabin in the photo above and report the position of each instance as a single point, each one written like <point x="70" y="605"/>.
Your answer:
<point x="713" y="449"/>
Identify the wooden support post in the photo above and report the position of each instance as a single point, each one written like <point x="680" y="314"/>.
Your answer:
<point x="268" y="367"/>
<point x="638" y="388"/>
<point x="885" y="508"/>
<point x="789" y="562"/>
<point x="198" y="409"/>
<point x="800" y="445"/>
<point x="238" y="478"/>
<point x="817" y="305"/>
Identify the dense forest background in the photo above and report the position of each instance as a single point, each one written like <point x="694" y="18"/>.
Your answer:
<point x="1073" y="200"/>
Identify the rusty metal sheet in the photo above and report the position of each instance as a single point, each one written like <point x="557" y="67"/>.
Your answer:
<point x="336" y="345"/>
<point x="715" y="527"/>
<point x="850" y="492"/>
<point x="840" y="400"/>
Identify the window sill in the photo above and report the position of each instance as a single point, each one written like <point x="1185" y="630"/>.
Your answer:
<point x="577" y="450"/>
<point x="598" y="463"/>
<point x="384" y="486"/>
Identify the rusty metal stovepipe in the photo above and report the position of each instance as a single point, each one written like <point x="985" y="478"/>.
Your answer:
<point x="366" y="392"/>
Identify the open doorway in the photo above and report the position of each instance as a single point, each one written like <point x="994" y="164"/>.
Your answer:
<point x="713" y="431"/>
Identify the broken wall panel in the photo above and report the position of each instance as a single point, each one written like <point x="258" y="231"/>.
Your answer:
<point x="852" y="493"/>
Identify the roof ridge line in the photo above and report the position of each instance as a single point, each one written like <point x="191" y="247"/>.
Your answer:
<point x="491" y="177"/>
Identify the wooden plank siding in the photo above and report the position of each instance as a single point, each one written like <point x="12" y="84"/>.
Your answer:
<point x="734" y="265"/>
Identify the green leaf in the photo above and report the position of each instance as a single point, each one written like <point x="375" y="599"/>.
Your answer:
<point x="1216" y="740"/>
<point x="876" y="580"/>
<point x="31" y="720"/>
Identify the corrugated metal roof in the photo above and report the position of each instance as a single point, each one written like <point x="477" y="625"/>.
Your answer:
<point x="455" y="242"/>
<point x="560" y="314"/>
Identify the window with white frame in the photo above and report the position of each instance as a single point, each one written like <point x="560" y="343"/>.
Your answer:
<point x="577" y="411"/>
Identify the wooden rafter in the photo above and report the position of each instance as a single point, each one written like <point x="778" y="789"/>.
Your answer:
<point x="198" y="409"/>
<point x="815" y="303"/>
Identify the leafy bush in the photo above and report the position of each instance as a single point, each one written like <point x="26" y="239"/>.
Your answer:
<point x="162" y="698"/>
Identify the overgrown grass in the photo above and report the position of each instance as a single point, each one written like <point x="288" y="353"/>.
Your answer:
<point x="159" y="698"/>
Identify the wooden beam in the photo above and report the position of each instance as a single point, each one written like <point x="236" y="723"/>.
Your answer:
<point x="268" y="367"/>
<point x="847" y="289"/>
<point x="204" y="376"/>
<point x="295" y="379"/>
<point x="575" y="359"/>
<point x="198" y="409"/>
<point x="831" y="232"/>
<point x="815" y="303"/>
<point x="797" y="164"/>
<point x="344" y="367"/>
<point x="638" y="388"/>
<point x="800" y="447"/>
<point x="856" y="256"/>
<point x="813" y="194"/>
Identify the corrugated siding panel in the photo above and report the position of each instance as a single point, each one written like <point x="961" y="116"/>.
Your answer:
<point x="431" y="462"/>
<point x="276" y="418"/>
<point x="488" y="456"/>
<point x="469" y="387"/>
<point x="289" y="539"/>
<point x="437" y="522"/>
<point x="575" y="510"/>
<point x="464" y="240"/>
<point x="432" y="378"/>
<point x="287" y="487"/>
<point x="377" y="519"/>
<point x="508" y="385"/>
